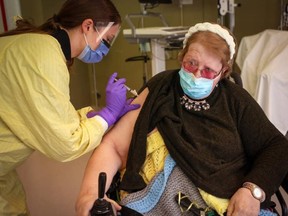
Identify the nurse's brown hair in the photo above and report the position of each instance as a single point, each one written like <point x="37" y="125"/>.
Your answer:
<point x="71" y="14"/>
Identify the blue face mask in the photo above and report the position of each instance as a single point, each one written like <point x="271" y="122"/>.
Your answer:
<point x="93" y="56"/>
<point x="195" y="88"/>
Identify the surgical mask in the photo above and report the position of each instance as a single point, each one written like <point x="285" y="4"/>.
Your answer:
<point x="195" y="88"/>
<point x="89" y="55"/>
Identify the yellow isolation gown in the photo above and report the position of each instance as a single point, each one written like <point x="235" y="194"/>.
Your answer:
<point x="36" y="112"/>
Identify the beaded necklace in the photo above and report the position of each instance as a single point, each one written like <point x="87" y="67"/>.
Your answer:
<point x="190" y="104"/>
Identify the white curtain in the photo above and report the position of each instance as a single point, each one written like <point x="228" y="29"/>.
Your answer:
<point x="263" y="60"/>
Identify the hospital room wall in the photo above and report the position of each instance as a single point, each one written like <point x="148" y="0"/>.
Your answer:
<point x="251" y="17"/>
<point x="52" y="186"/>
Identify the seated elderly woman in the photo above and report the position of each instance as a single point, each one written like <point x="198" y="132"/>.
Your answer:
<point x="200" y="145"/>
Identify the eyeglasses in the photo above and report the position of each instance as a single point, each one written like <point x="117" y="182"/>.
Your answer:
<point x="192" y="67"/>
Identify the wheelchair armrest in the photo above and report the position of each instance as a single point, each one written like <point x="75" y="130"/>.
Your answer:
<point x="282" y="203"/>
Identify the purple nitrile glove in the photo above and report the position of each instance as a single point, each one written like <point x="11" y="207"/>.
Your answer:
<point x="91" y="114"/>
<point x="128" y="107"/>
<point x="115" y="100"/>
<point x="116" y="103"/>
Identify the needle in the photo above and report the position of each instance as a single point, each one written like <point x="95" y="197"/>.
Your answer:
<point x="132" y="91"/>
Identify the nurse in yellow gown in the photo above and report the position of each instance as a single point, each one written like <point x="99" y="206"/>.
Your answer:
<point x="35" y="108"/>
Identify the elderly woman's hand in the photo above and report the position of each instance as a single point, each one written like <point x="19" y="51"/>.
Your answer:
<point x="85" y="203"/>
<point x="243" y="203"/>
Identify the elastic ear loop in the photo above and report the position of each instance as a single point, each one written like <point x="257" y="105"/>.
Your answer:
<point x="85" y="39"/>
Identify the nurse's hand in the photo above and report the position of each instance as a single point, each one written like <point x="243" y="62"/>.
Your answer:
<point x="116" y="103"/>
<point x="128" y="107"/>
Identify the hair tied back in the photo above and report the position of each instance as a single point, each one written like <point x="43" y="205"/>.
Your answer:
<point x="56" y="18"/>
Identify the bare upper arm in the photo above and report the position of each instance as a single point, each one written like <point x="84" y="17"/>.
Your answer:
<point x="120" y="135"/>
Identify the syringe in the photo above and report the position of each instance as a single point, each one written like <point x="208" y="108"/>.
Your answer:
<point x="133" y="91"/>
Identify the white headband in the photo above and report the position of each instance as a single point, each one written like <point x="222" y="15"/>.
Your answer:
<point x="215" y="28"/>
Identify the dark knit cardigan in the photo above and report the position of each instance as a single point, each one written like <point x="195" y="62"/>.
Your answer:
<point x="218" y="149"/>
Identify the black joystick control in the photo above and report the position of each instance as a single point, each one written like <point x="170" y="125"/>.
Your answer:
<point x="101" y="206"/>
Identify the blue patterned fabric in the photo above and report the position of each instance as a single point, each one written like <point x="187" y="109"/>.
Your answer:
<point x="156" y="190"/>
<point x="266" y="213"/>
